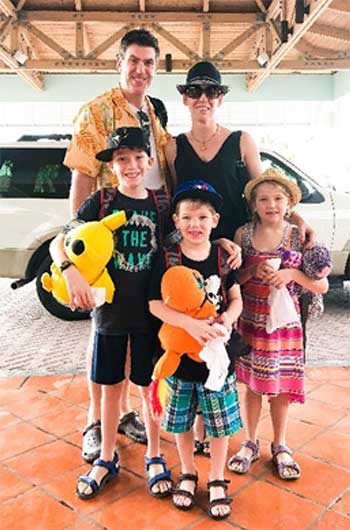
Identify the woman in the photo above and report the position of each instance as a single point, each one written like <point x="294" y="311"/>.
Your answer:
<point x="212" y="152"/>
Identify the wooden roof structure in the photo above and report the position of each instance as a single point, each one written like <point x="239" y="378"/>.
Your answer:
<point x="254" y="37"/>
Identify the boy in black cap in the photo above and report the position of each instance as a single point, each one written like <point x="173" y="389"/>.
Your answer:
<point x="196" y="207"/>
<point x="127" y="318"/>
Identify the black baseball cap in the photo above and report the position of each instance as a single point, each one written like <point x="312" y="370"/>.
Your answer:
<point x="203" y="73"/>
<point x="124" y="137"/>
<point x="198" y="189"/>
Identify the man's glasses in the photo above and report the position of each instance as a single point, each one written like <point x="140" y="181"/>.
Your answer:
<point x="145" y="125"/>
<point x="195" y="92"/>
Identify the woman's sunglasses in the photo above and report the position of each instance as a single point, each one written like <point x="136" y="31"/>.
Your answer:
<point x="195" y="92"/>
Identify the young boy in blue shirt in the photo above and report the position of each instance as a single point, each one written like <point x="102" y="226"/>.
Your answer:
<point x="197" y="206"/>
<point x="127" y="318"/>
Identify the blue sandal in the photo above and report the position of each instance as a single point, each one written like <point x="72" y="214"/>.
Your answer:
<point x="113" y="471"/>
<point x="166" y="475"/>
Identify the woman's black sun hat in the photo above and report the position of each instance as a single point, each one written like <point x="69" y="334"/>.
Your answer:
<point x="203" y="73"/>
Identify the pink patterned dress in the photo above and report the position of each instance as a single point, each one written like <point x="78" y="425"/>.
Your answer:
<point x="275" y="365"/>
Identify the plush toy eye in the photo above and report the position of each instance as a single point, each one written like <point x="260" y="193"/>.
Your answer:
<point x="78" y="247"/>
<point x="198" y="280"/>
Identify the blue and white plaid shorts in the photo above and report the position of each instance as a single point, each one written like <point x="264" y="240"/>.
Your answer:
<point x="221" y="413"/>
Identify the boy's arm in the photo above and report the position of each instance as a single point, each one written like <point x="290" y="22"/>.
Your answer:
<point x="80" y="293"/>
<point x="201" y="330"/>
<point x="234" y="307"/>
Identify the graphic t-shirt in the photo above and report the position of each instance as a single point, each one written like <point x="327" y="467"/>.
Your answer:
<point x="191" y="370"/>
<point x="136" y="243"/>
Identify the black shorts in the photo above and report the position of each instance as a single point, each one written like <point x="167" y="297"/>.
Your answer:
<point x="109" y="356"/>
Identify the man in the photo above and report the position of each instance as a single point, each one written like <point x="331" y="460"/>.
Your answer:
<point x="126" y="105"/>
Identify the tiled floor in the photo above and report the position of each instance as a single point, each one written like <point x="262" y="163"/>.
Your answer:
<point x="40" y="423"/>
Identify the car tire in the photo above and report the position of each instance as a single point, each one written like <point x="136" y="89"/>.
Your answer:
<point x="49" y="302"/>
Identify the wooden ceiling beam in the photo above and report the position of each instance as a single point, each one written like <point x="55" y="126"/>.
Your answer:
<point x="108" y="43"/>
<point x="226" y="66"/>
<point x="274" y="9"/>
<point x="175" y="42"/>
<point x="14" y="42"/>
<point x="20" y="5"/>
<point x="317" y="7"/>
<point x="331" y="32"/>
<point x="261" y="6"/>
<point x="52" y="44"/>
<point x="79" y="39"/>
<point x="8" y="8"/>
<point x="29" y="42"/>
<point x="235" y="43"/>
<point x="316" y="52"/>
<point x="136" y="17"/>
<point x="142" y="6"/>
<point x="206" y="6"/>
<point x="341" y="5"/>
<point x="206" y="30"/>
<point x="87" y="40"/>
<point x="33" y="79"/>
<point x="5" y="28"/>
<point x="313" y="66"/>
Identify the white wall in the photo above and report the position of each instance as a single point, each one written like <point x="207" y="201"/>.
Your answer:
<point x="296" y="115"/>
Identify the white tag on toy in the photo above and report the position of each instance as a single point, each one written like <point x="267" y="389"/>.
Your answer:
<point x="99" y="294"/>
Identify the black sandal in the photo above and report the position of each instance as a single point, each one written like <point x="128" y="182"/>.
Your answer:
<point x="133" y="427"/>
<point x="222" y="500"/>
<point x="179" y="491"/>
<point x="202" y="447"/>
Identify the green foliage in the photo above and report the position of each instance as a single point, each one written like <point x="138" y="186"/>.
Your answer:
<point x="6" y="175"/>
<point x="46" y="178"/>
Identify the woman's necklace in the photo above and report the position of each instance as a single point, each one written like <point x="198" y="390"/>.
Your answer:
<point x="203" y="144"/>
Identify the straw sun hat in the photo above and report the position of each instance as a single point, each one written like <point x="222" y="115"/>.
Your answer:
<point x="273" y="175"/>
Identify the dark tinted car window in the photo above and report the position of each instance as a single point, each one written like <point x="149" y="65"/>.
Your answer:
<point x="33" y="172"/>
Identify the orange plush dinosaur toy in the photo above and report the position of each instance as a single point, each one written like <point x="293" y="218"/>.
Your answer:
<point x="182" y="289"/>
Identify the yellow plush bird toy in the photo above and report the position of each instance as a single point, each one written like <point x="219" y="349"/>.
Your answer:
<point x="89" y="247"/>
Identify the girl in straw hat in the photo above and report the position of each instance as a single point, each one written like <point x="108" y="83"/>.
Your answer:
<point x="275" y="365"/>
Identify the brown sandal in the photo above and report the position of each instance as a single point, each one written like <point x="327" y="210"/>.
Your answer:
<point x="221" y="501"/>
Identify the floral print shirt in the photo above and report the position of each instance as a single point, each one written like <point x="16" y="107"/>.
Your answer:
<point x="93" y="124"/>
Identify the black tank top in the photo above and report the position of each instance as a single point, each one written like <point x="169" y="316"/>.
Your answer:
<point x="226" y="172"/>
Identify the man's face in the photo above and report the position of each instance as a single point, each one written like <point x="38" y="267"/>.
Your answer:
<point x="137" y="68"/>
